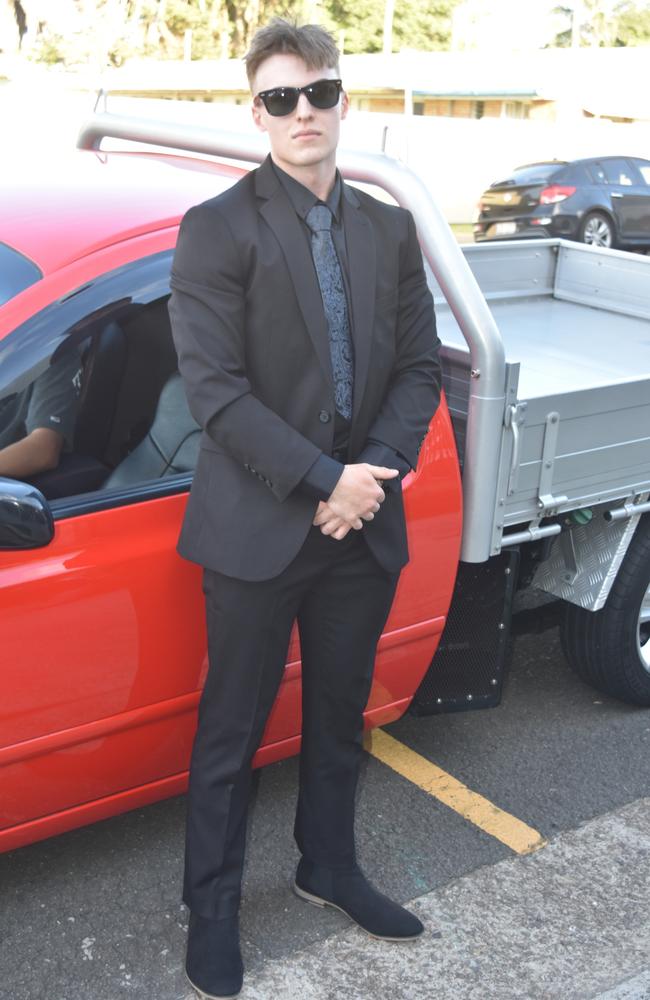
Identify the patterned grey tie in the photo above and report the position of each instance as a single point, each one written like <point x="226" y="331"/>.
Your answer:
<point x="330" y="279"/>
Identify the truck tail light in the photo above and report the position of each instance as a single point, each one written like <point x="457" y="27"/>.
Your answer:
<point x="555" y="193"/>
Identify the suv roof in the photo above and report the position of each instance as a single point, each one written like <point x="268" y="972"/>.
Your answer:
<point x="59" y="209"/>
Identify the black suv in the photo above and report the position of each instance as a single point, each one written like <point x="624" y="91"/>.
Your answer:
<point x="604" y="201"/>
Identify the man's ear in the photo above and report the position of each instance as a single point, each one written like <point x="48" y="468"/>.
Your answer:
<point x="257" y="117"/>
<point x="345" y="105"/>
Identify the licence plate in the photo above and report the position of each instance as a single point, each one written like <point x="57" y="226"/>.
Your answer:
<point x="505" y="228"/>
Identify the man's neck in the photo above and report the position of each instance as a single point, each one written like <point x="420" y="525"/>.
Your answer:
<point x="319" y="179"/>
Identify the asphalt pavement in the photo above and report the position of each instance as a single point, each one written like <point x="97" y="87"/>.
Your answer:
<point x="95" y="914"/>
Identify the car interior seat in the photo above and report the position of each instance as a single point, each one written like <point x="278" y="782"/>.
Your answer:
<point x="171" y="445"/>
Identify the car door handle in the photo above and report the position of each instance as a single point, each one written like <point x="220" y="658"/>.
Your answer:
<point x="616" y="194"/>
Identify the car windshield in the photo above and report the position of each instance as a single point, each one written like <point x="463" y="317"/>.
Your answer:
<point x="531" y="173"/>
<point x="16" y="273"/>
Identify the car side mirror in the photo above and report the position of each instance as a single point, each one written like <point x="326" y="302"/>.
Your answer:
<point x="26" y="520"/>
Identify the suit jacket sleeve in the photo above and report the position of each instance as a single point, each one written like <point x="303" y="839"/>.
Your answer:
<point x="414" y="391"/>
<point x="207" y="311"/>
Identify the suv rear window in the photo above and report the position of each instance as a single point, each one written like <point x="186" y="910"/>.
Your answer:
<point x="577" y="173"/>
<point x="16" y="273"/>
<point x="531" y="173"/>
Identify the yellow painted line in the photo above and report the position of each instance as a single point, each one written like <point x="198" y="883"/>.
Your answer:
<point x="512" y="832"/>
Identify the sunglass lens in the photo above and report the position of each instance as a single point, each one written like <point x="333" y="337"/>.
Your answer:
<point x="323" y="94"/>
<point x="281" y="102"/>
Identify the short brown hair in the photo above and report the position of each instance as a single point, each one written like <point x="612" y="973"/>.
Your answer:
<point x="310" y="42"/>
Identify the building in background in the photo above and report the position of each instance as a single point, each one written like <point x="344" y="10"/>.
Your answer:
<point x="551" y="85"/>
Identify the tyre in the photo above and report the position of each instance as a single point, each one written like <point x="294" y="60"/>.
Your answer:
<point x="610" y="648"/>
<point x="597" y="229"/>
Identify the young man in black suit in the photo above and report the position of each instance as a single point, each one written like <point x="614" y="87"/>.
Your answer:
<point x="306" y="340"/>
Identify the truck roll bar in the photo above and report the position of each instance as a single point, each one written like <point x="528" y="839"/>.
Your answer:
<point x="460" y="288"/>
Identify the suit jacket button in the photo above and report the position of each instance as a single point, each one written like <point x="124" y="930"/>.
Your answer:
<point x="324" y="417"/>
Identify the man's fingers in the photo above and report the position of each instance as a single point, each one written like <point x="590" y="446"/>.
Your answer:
<point x="322" y="513"/>
<point x="331" y="525"/>
<point x="340" y="532"/>
<point x="358" y="493"/>
<point x="379" y="472"/>
<point x="337" y="528"/>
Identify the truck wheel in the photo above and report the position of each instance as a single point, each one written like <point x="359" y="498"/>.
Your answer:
<point x="597" y="229"/>
<point x="610" y="648"/>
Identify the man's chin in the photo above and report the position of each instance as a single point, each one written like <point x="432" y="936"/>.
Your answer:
<point x="309" y="156"/>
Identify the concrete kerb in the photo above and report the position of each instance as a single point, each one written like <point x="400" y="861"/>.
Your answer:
<point x="571" y="921"/>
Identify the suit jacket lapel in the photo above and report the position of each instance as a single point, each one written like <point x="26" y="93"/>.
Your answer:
<point x="279" y="214"/>
<point x="362" y="264"/>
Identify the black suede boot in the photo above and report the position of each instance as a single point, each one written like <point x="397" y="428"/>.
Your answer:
<point x="214" y="964"/>
<point x="350" y="892"/>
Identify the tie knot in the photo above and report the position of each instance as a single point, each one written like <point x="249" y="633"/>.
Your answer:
<point x="319" y="218"/>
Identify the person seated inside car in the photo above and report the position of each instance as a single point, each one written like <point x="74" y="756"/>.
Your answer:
<point x="37" y="424"/>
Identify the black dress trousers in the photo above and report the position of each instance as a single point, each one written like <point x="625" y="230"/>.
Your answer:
<point x="341" y="598"/>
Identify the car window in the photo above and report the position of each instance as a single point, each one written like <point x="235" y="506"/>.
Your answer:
<point x="644" y="169"/>
<point x="619" y="171"/>
<point x="597" y="172"/>
<point x="17" y="273"/>
<point x="531" y="173"/>
<point x="102" y="360"/>
<point x="577" y="173"/>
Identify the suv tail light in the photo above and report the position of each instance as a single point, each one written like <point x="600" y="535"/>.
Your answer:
<point x="555" y="193"/>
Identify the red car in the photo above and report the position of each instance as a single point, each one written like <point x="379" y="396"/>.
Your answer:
<point x="103" y="650"/>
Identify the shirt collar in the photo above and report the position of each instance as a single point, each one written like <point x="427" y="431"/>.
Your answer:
<point x="303" y="199"/>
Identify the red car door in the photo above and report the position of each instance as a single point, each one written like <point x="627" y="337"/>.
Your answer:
<point x="103" y="645"/>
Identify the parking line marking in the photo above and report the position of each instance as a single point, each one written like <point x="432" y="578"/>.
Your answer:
<point x="512" y="832"/>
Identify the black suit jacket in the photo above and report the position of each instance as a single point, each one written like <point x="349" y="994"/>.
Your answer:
<point x="253" y="349"/>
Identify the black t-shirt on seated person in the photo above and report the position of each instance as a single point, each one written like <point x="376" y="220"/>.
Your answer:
<point x="51" y="401"/>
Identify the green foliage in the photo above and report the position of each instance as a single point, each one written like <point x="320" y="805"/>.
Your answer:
<point x="424" y="26"/>
<point x="51" y="49"/>
<point x="415" y="25"/>
<point x="119" y="29"/>
<point x="633" y="27"/>
<point x="627" y="23"/>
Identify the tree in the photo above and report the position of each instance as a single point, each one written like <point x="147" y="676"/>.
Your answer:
<point x="415" y="25"/>
<point x="605" y="23"/>
<point x="103" y="32"/>
<point x="633" y="26"/>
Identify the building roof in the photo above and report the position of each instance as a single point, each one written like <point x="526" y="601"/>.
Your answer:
<point x="603" y="81"/>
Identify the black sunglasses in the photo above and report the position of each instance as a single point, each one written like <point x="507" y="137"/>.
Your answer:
<point x="280" y="101"/>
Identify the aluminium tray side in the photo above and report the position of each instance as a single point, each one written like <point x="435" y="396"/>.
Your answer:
<point x="584" y="357"/>
<point x="590" y="446"/>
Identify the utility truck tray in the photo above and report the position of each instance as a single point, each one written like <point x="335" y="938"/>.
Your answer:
<point x="575" y="322"/>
